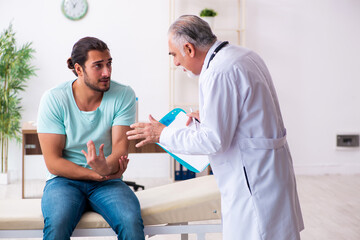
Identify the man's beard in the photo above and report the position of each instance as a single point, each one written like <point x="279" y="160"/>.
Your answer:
<point x="94" y="87"/>
<point x="190" y="74"/>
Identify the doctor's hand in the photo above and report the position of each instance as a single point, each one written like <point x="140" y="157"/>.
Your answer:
<point x="191" y="116"/>
<point x="123" y="162"/>
<point x="97" y="163"/>
<point x="150" y="132"/>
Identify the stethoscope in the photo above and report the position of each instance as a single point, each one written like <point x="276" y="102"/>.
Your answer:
<point x="223" y="44"/>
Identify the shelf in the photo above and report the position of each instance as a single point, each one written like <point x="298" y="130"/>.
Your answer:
<point x="228" y="28"/>
<point x="229" y="25"/>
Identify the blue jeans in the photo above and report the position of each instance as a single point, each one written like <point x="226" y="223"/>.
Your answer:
<point x="65" y="200"/>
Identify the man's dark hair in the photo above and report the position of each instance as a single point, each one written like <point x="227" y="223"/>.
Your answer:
<point x="80" y="51"/>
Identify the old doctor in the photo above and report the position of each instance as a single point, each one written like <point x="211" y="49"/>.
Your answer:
<point x="241" y="131"/>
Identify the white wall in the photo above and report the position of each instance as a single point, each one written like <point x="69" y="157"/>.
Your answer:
<point x="138" y="45"/>
<point x="311" y="49"/>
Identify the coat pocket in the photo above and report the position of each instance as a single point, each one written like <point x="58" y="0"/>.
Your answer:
<point x="247" y="180"/>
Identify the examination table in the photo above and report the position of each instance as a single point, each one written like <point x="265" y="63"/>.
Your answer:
<point x="165" y="210"/>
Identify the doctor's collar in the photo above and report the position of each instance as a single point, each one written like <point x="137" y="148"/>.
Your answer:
<point x="210" y="53"/>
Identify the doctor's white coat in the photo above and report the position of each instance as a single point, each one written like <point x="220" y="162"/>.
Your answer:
<point x="243" y="133"/>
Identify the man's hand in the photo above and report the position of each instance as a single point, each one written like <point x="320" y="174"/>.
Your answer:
<point x="191" y="116"/>
<point x="123" y="162"/>
<point x="97" y="163"/>
<point x="150" y="132"/>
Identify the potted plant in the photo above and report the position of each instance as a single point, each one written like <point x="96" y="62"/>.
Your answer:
<point x="208" y="15"/>
<point x="15" y="70"/>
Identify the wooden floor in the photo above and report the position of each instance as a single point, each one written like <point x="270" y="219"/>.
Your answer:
<point x="330" y="206"/>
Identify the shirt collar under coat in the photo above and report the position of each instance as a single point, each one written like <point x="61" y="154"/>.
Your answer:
<point x="208" y="55"/>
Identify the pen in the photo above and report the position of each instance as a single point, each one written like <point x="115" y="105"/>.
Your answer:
<point x="193" y="119"/>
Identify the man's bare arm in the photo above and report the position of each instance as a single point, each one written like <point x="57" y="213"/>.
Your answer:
<point x="110" y="165"/>
<point x="52" y="146"/>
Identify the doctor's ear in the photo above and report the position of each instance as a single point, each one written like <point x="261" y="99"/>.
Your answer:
<point x="189" y="49"/>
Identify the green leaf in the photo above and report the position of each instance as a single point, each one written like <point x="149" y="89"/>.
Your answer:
<point x="15" y="71"/>
<point x="208" y="13"/>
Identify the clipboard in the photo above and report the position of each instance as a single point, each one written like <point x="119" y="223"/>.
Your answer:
<point x="195" y="163"/>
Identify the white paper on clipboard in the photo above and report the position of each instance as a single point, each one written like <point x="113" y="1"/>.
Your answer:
<point x="195" y="163"/>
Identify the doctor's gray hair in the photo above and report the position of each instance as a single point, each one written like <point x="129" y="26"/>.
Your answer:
<point x="191" y="29"/>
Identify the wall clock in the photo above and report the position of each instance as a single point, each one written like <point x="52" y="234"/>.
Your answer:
<point x="74" y="9"/>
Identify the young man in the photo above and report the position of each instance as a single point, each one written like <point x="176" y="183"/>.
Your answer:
<point x="81" y="126"/>
<point x="241" y="130"/>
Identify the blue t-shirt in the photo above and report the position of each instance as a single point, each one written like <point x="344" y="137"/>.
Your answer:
<point x="59" y="114"/>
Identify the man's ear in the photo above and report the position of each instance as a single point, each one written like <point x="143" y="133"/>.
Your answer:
<point x="78" y="69"/>
<point x="189" y="49"/>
